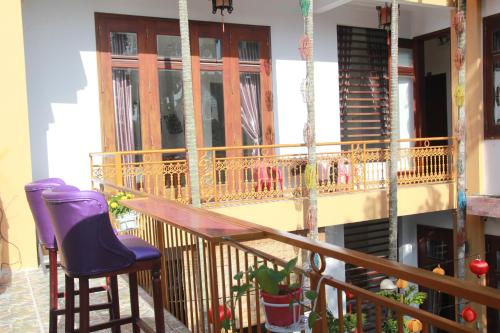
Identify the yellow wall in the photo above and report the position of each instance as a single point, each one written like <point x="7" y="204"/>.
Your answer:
<point x="15" y="160"/>
<point x="340" y="208"/>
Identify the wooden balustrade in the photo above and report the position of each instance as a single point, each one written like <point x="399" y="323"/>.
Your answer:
<point x="203" y="250"/>
<point x="234" y="174"/>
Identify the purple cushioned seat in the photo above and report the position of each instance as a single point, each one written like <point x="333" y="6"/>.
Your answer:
<point x="141" y="249"/>
<point x="39" y="211"/>
<point x="85" y="237"/>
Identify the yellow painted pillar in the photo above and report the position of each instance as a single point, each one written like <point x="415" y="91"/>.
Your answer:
<point x="17" y="244"/>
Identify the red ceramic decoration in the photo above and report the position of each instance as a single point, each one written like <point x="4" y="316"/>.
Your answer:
<point x="468" y="314"/>
<point x="459" y="22"/>
<point x="479" y="267"/>
<point x="459" y="58"/>
<point x="305" y="47"/>
<point x="224" y="313"/>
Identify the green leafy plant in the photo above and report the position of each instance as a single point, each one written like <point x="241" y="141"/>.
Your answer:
<point x="272" y="282"/>
<point x="350" y="322"/>
<point x="408" y="296"/>
<point x="115" y="208"/>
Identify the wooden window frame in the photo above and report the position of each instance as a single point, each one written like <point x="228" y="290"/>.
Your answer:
<point x="147" y="28"/>
<point x="491" y="130"/>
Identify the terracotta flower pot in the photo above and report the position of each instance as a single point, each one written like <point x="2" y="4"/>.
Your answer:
<point x="282" y="315"/>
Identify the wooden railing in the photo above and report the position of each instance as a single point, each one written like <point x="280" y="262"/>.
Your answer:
<point x="236" y="174"/>
<point x="203" y="250"/>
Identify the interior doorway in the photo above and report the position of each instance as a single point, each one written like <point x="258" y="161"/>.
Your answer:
<point x="435" y="247"/>
<point x="493" y="278"/>
<point x="433" y="85"/>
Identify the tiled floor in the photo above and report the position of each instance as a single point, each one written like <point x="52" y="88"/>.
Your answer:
<point x="24" y="304"/>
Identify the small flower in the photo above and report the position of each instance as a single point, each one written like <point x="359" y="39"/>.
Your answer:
<point x="123" y="197"/>
<point x="113" y="205"/>
<point x="402" y="284"/>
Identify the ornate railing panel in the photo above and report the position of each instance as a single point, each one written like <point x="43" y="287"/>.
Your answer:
<point x="230" y="175"/>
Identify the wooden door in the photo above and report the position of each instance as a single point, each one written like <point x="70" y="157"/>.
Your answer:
<point x="435" y="247"/>
<point x="493" y="278"/>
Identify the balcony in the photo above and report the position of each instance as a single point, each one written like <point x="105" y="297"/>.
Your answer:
<point x="234" y="179"/>
<point x="203" y="251"/>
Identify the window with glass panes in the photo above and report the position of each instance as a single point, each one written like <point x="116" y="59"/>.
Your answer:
<point x="140" y="67"/>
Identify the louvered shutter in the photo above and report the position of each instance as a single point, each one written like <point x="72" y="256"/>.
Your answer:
<point x="364" y="83"/>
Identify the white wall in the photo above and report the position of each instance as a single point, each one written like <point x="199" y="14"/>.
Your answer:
<point x="63" y="80"/>
<point x="491" y="7"/>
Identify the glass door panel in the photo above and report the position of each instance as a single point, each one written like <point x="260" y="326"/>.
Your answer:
<point x="250" y="106"/>
<point x="249" y="51"/>
<point x="171" y="109"/>
<point x="496" y="92"/>
<point x="212" y="108"/>
<point x="210" y="49"/>
<point x="127" y="109"/>
<point x="124" y="44"/>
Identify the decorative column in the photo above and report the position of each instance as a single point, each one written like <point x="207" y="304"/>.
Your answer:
<point x="307" y="53"/>
<point x="187" y="86"/>
<point x="394" y="139"/>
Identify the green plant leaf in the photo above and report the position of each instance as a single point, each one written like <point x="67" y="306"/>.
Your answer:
<point x="312" y="319"/>
<point x="311" y="295"/>
<point x="290" y="265"/>
<point x="238" y="276"/>
<point x="266" y="282"/>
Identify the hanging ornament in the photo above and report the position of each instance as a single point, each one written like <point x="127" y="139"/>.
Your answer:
<point x="349" y="296"/>
<point x="462" y="200"/>
<point x="460" y="131"/>
<point x="304" y="7"/>
<point x="402" y="284"/>
<point x="460" y="96"/>
<point x="224" y="313"/>
<point x="479" y="267"/>
<point x="459" y="58"/>
<point x="305" y="47"/>
<point x="310" y="176"/>
<point x="438" y="270"/>
<point x="308" y="136"/>
<point x="312" y="218"/>
<point x="306" y="90"/>
<point x="468" y="314"/>
<point x="461" y="237"/>
<point x="414" y="325"/>
<point x="459" y="22"/>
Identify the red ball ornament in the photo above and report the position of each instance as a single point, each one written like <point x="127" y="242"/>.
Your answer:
<point x="349" y="295"/>
<point x="479" y="267"/>
<point x="468" y="314"/>
<point x="224" y="313"/>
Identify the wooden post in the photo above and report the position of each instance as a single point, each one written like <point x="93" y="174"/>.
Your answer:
<point x="321" y="308"/>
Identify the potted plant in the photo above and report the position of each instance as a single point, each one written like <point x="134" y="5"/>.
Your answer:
<point x="125" y="218"/>
<point x="350" y="322"/>
<point x="407" y="294"/>
<point x="283" y="303"/>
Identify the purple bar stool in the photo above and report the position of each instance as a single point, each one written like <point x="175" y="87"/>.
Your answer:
<point x="90" y="249"/>
<point x="47" y="239"/>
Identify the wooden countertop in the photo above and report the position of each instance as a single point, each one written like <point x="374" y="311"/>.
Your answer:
<point x="202" y="222"/>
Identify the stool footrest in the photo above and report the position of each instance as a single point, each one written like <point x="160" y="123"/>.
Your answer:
<point x="91" y="290"/>
<point x="94" y="307"/>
